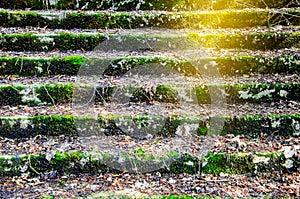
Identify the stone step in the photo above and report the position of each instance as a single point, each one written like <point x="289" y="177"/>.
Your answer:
<point x="182" y="92"/>
<point x="266" y="63"/>
<point x="159" y="19"/>
<point x="79" y="162"/>
<point x="146" y="5"/>
<point x="123" y="42"/>
<point x="142" y="125"/>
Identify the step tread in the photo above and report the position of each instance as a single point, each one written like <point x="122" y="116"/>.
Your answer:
<point x="230" y="144"/>
<point x="231" y="110"/>
<point x="149" y="31"/>
<point x="276" y="184"/>
<point x="240" y="83"/>
<point x="11" y="80"/>
<point x="214" y="53"/>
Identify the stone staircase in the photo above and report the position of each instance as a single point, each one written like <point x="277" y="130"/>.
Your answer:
<point x="149" y="99"/>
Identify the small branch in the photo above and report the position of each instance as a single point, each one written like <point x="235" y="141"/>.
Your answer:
<point x="30" y="166"/>
<point x="49" y="95"/>
<point x="102" y="98"/>
<point x="29" y="162"/>
<point x="21" y="63"/>
<point x="49" y="63"/>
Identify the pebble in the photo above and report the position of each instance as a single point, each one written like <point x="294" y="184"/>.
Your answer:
<point x="172" y="181"/>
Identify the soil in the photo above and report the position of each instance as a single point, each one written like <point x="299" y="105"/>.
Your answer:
<point x="232" y="80"/>
<point x="271" y="185"/>
<point x="157" y="31"/>
<point x="218" y="144"/>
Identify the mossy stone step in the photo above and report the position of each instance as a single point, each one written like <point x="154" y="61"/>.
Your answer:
<point x="88" y="41"/>
<point x="227" y="65"/>
<point x="171" y="20"/>
<point x="145" y="5"/>
<point x="51" y="94"/>
<point x="79" y="162"/>
<point x="252" y="125"/>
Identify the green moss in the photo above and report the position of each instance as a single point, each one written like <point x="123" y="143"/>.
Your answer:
<point x="217" y="163"/>
<point x="242" y="163"/>
<point x="75" y="60"/>
<point x="18" y="18"/>
<point x="165" y="93"/>
<point x="62" y="41"/>
<point x="46" y="197"/>
<point x="256" y="125"/>
<point x="65" y="157"/>
<point x="203" y="129"/>
<point x="202" y="94"/>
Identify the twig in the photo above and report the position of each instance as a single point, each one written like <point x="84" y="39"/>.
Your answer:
<point x="33" y="169"/>
<point x="49" y="63"/>
<point x="102" y="98"/>
<point x="29" y="161"/>
<point x="21" y="63"/>
<point x="17" y="61"/>
<point x="49" y="95"/>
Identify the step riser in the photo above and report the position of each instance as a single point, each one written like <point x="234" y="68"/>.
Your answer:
<point x="57" y="125"/>
<point x="88" y="42"/>
<point x="78" y="163"/>
<point x="226" y="19"/>
<point x="145" y="5"/>
<point x="285" y="64"/>
<point x="63" y="93"/>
